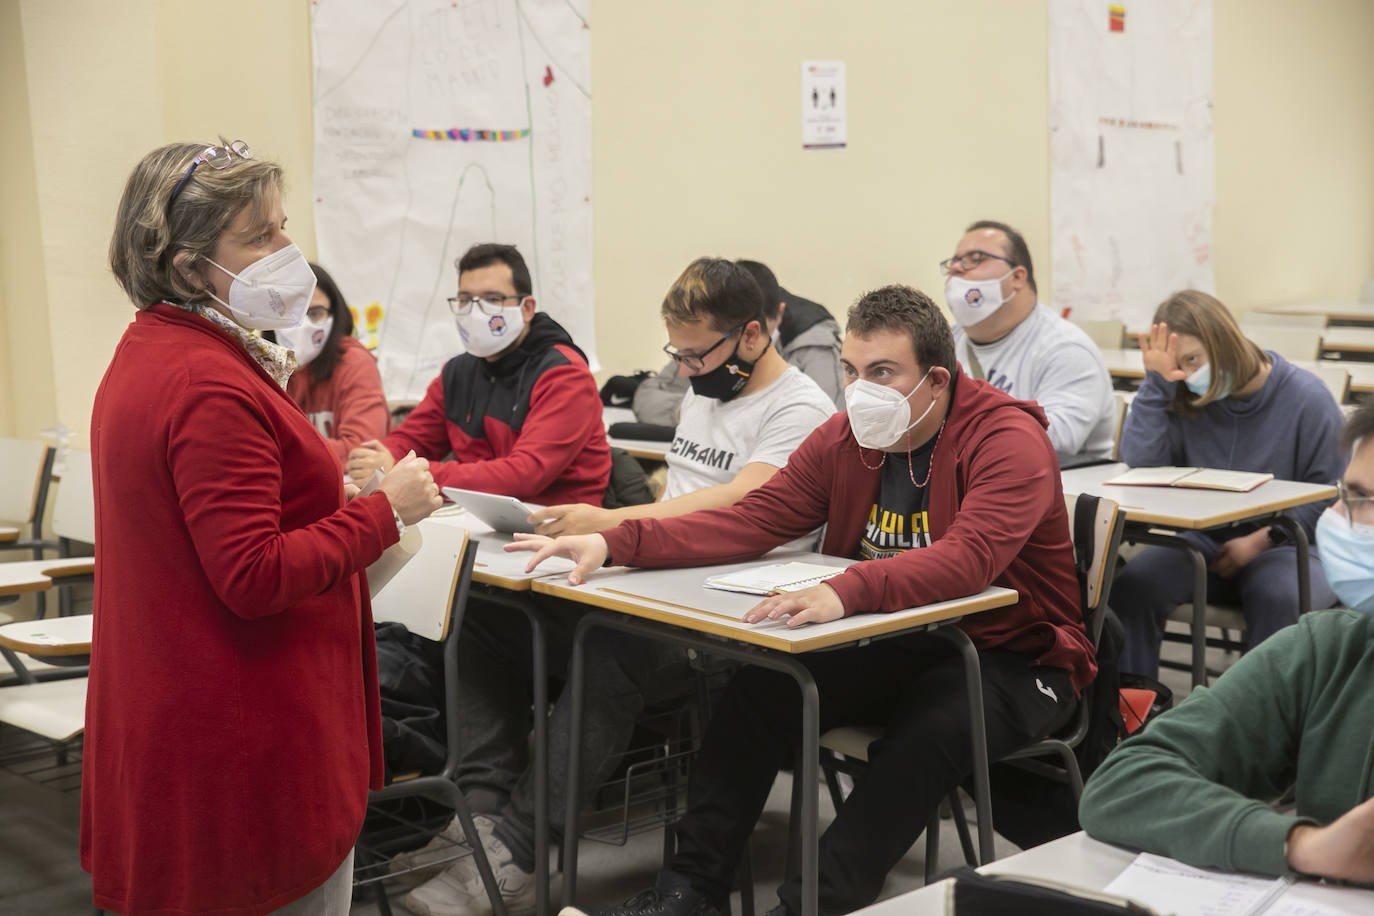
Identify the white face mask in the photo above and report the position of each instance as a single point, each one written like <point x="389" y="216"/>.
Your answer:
<point x="973" y="301"/>
<point x="272" y="293"/>
<point x="879" y="416"/>
<point x="487" y="335"/>
<point x="307" y="340"/>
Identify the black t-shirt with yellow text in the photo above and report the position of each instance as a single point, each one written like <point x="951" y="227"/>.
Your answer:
<point x="898" y="521"/>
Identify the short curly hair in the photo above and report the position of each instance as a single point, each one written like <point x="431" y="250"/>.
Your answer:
<point x="910" y="311"/>
<point x="150" y="231"/>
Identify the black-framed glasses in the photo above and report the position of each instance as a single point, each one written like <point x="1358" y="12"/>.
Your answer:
<point x="487" y="303"/>
<point x="217" y="158"/>
<point x="1358" y="509"/>
<point x="970" y="259"/>
<point x="695" y="361"/>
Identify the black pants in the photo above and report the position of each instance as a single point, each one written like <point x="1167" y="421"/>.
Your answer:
<point x="914" y="687"/>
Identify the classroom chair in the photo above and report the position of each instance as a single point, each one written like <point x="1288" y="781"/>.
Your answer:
<point x="428" y="596"/>
<point x="1095" y="526"/>
<point x="1123" y="407"/>
<point x="22" y="461"/>
<point x="1289" y="341"/>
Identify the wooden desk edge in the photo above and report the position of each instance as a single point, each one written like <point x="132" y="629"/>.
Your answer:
<point x="1136" y="516"/>
<point x="45" y="649"/>
<point x="881" y="625"/>
<point x="50" y="577"/>
<point x="499" y="581"/>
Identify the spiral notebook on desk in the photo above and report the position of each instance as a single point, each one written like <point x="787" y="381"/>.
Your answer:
<point x="1194" y="478"/>
<point x="774" y="579"/>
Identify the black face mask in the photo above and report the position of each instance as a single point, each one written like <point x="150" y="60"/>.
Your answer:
<point x="726" y="381"/>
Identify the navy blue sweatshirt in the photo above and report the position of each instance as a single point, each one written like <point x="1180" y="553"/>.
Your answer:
<point x="1289" y="428"/>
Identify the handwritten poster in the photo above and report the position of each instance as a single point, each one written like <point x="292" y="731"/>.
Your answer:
<point x="1131" y="164"/>
<point x="440" y="125"/>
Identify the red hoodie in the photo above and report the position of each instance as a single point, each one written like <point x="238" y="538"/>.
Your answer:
<point x="996" y="511"/>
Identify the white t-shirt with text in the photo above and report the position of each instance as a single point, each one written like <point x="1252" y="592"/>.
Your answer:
<point x="715" y="439"/>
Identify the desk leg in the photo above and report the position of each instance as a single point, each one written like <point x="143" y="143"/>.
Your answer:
<point x="1199" y="626"/>
<point x="982" y="792"/>
<point x="540" y="693"/>
<point x="808" y="771"/>
<point x="1299" y="538"/>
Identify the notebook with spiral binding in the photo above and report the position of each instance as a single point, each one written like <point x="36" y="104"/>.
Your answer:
<point x="774" y="579"/>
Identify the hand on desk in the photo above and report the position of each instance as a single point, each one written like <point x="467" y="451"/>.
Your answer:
<point x="366" y="458"/>
<point x="1343" y="849"/>
<point x="1237" y="553"/>
<point x="817" y="604"/>
<point x="1159" y="353"/>
<point x="588" y="551"/>
<point x="411" y="489"/>
<point x="573" y="518"/>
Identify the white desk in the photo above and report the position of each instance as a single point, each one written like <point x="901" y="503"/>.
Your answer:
<point x="1348" y="340"/>
<point x="1076" y="859"/>
<point x="673" y="605"/>
<point x="648" y="449"/>
<point x="493" y="566"/>
<point x="1355" y="313"/>
<point x="56" y="636"/>
<point x="38" y="575"/>
<point x="1174" y="509"/>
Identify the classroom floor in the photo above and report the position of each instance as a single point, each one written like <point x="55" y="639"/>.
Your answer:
<point x="40" y="873"/>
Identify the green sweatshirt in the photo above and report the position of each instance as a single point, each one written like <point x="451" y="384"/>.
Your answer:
<point x="1195" y="784"/>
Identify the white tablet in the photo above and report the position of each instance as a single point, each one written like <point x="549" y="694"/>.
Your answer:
<point x="504" y="513"/>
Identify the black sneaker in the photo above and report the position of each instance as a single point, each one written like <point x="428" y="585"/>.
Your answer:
<point x="671" y="895"/>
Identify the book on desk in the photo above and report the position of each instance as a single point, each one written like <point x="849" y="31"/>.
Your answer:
<point x="1191" y="478"/>
<point x="773" y="579"/>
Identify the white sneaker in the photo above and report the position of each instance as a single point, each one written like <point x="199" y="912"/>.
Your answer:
<point x="458" y="889"/>
<point x="413" y="868"/>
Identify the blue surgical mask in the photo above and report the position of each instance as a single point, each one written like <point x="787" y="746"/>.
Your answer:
<point x="1347" y="554"/>
<point x="1201" y="380"/>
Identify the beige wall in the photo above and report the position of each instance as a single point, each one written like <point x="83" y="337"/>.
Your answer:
<point x="697" y="151"/>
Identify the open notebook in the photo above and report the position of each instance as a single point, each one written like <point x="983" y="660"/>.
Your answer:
<point x="1196" y="478"/>
<point x="774" y="579"/>
<point x="1169" y="886"/>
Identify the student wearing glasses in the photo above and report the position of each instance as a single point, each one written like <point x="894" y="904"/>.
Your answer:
<point x="519" y="411"/>
<point x="744" y="414"/>
<point x="336" y="380"/>
<point x="232" y="725"/>
<point x="1198" y="783"/>
<point x="1212" y="398"/>
<point x="1002" y="334"/>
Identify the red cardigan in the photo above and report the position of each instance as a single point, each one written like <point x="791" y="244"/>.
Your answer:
<point x="997" y="517"/>
<point x="232" y="724"/>
<point x="349" y="407"/>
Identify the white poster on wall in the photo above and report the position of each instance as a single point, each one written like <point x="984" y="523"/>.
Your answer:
<point x="1131" y="162"/>
<point x="822" y="104"/>
<point x="439" y="125"/>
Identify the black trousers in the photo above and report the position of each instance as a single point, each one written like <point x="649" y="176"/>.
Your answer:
<point x="914" y="687"/>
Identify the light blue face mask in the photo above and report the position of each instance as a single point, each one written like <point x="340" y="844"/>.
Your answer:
<point x="1347" y="554"/>
<point x="1201" y="380"/>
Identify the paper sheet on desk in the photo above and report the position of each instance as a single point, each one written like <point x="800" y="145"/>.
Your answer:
<point x="1172" y="887"/>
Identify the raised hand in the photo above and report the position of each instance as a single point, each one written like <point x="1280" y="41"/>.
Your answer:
<point x="1159" y="352"/>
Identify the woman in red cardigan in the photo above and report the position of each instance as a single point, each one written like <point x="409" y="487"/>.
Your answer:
<point x="336" y="381"/>
<point x="232" y="727"/>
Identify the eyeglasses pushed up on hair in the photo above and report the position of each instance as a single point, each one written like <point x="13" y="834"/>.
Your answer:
<point x="969" y="260"/>
<point x="487" y="303"/>
<point x="217" y="158"/>
<point x="1358" y="509"/>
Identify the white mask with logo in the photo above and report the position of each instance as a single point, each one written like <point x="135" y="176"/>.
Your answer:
<point x="973" y="301"/>
<point x="878" y="415"/>
<point x="307" y="339"/>
<point x="272" y="293"/>
<point x="487" y="335"/>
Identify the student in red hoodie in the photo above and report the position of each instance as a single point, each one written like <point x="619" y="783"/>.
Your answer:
<point x="939" y="485"/>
